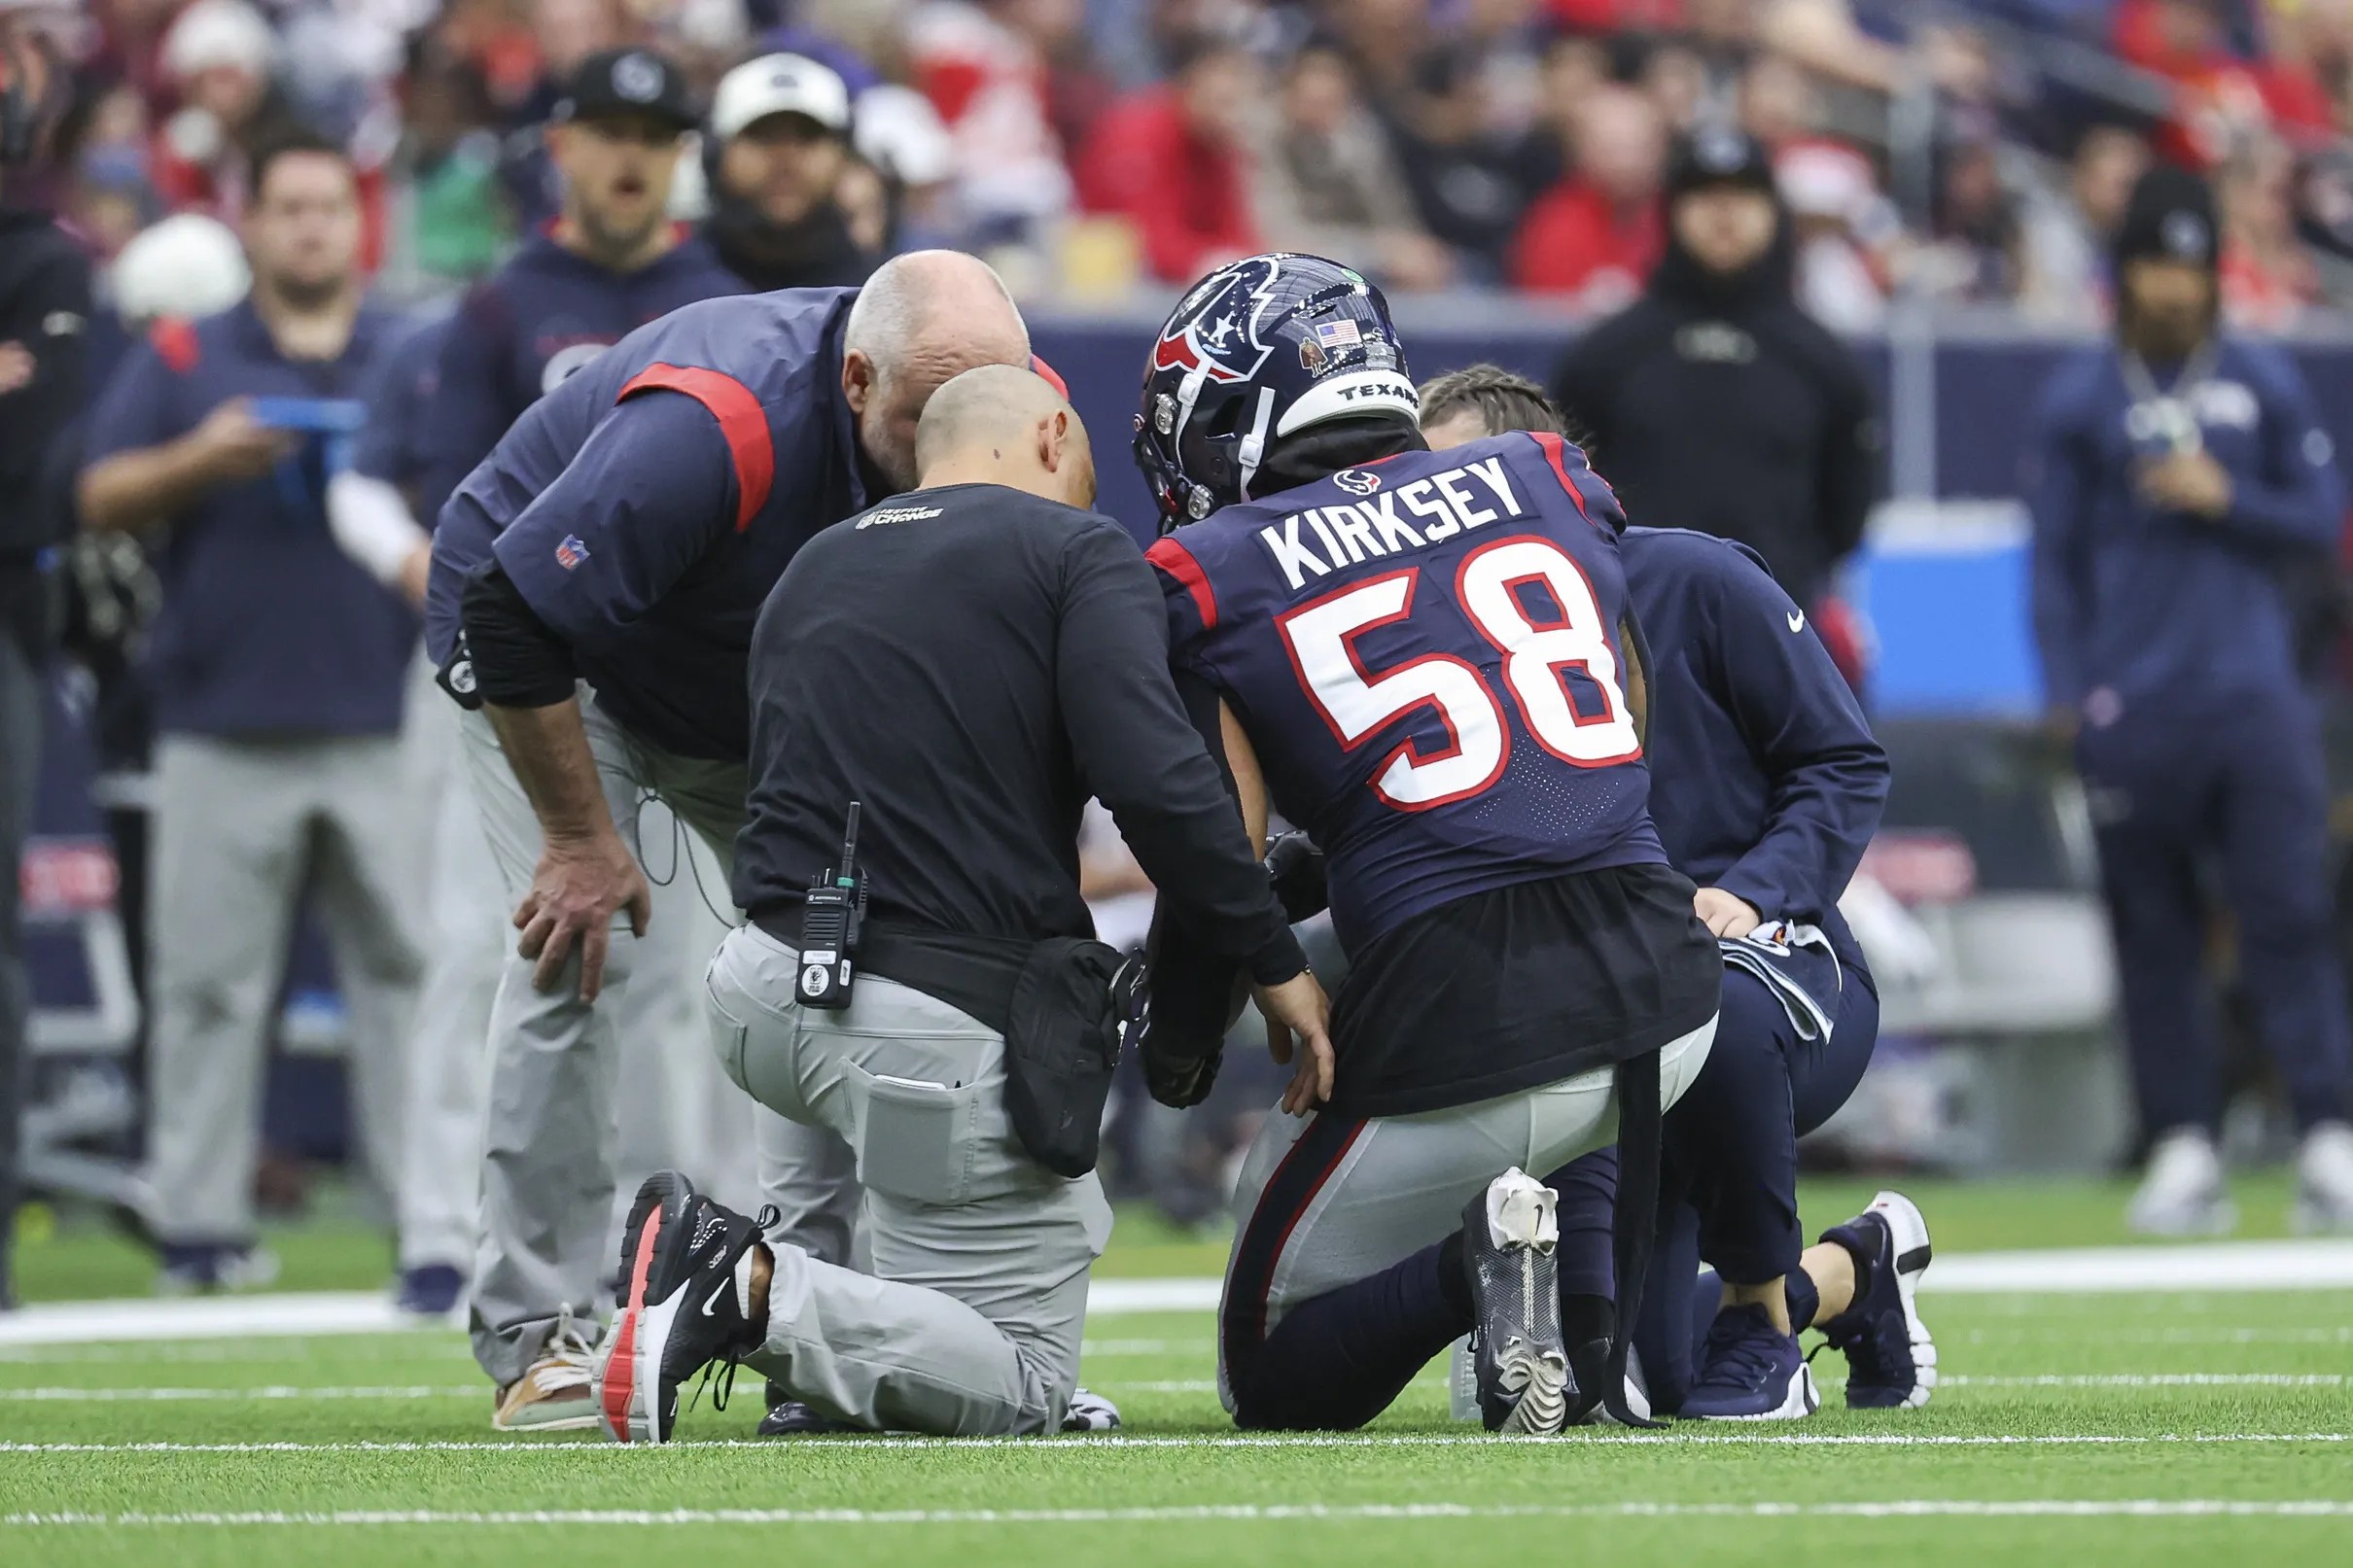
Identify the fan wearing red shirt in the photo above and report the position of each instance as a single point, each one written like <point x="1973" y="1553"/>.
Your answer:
<point x="1598" y="232"/>
<point x="1170" y="160"/>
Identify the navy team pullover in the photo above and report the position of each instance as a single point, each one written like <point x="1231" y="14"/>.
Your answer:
<point x="1763" y="777"/>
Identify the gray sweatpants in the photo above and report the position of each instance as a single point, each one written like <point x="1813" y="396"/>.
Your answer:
<point x="969" y="1323"/>
<point x="551" y="1147"/>
<point x="240" y="826"/>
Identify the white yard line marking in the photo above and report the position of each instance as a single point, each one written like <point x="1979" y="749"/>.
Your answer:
<point x="1292" y="1440"/>
<point x="2148" y="1380"/>
<point x="2089" y="1379"/>
<point x="2235" y="1266"/>
<point x="2163" y="1508"/>
<point x="102" y="1396"/>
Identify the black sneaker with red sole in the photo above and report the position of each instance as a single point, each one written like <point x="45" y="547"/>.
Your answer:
<point x="679" y="1310"/>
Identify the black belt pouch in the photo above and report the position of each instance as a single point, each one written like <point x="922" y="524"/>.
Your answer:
<point x="1071" y="1005"/>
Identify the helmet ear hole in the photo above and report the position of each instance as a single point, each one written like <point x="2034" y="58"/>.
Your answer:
<point x="1226" y="421"/>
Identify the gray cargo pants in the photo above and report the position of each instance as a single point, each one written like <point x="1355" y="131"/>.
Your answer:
<point x="970" y="1321"/>
<point x="551" y="1146"/>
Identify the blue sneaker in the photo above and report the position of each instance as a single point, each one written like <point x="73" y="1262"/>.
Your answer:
<point x="1750" y="1372"/>
<point x="1890" y="1359"/>
<point x="430" y="1290"/>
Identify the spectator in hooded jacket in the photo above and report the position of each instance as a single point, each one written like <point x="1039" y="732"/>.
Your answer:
<point x="1172" y="159"/>
<point x="1717" y="359"/>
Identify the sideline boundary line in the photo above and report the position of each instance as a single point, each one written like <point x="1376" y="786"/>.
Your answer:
<point x="2161" y="1508"/>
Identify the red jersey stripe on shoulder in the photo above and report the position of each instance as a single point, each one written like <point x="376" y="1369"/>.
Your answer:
<point x="175" y="343"/>
<point x="1049" y="375"/>
<point x="1552" y="445"/>
<point x="740" y="421"/>
<point x="1178" y="563"/>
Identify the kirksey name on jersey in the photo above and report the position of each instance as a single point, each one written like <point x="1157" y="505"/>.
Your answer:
<point x="1432" y="636"/>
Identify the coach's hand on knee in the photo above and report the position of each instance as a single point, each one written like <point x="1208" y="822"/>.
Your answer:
<point x="1298" y="1007"/>
<point x="579" y="885"/>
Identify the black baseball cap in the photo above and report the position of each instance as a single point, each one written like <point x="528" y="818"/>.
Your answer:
<point x="1719" y="155"/>
<point x="2170" y="218"/>
<point x="627" y="81"/>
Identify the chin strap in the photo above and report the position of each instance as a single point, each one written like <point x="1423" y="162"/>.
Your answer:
<point x="1252" y="450"/>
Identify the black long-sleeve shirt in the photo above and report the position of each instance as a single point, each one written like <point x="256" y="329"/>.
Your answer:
<point x="44" y="316"/>
<point x="971" y="664"/>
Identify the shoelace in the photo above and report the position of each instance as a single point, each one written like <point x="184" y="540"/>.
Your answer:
<point x="569" y="1360"/>
<point x="719" y="1376"/>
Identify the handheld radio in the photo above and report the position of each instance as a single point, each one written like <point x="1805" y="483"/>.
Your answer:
<point x="830" y="913"/>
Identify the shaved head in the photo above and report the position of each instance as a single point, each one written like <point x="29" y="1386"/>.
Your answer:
<point x="1001" y="425"/>
<point x="922" y="319"/>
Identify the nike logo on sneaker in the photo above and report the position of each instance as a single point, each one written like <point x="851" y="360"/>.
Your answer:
<point x="710" y="1307"/>
<point x="1797" y="621"/>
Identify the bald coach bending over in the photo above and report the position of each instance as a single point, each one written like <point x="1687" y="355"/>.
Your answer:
<point x="595" y="582"/>
<point x="968" y="663"/>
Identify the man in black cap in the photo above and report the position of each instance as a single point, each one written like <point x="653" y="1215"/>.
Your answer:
<point x="2180" y="481"/>
<point x="1716" y="359"/>
<point x="612" y="262"/>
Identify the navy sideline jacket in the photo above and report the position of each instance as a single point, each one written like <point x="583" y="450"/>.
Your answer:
<point x="2138" y="604"/>
<point x="645" y="508"/>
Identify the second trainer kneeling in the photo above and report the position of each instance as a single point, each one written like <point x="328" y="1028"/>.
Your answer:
<point x="968" y="663"/>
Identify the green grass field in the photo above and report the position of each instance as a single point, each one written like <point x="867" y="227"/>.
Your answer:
<point x="2085" y="1428"/>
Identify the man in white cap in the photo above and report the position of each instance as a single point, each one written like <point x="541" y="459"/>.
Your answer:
<point x="779" y="143"/>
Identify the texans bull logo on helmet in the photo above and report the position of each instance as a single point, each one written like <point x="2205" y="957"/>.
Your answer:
<point x="1216" y="329"/>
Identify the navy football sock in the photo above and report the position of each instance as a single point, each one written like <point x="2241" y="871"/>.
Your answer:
<point x="1803" y="1299"/>
<point x="1334" y="1363"/>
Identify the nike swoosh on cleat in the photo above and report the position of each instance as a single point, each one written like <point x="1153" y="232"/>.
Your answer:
<point x="711" y="1305"/>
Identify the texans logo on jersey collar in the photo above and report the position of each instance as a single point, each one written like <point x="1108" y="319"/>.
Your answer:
<point x="1220" y="336"/>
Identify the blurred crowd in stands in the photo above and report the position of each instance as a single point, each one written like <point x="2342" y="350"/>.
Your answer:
<point x="1965" y="152"/>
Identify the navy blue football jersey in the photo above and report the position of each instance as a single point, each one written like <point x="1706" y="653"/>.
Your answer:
<point x="1424" y="652"/>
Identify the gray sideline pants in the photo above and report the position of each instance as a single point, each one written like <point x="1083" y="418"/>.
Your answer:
<point x="551" y="1151"/>
<point x="969" y="1323"/>
<point x="241" y="826"/>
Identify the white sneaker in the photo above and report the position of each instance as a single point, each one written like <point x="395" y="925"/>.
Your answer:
<point x="554" y="1394"/>
<point x="2323" y="1179"/>
<point x="2181" y="1193"/>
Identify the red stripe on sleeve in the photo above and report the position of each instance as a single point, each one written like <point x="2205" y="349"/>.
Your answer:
<point x="1552" y="445"/>
<point x="740" y="421"/>
<point x="1049" y="375"/>
<point x="1178" y="563"/>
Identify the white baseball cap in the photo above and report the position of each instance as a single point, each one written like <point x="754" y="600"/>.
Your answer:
<point x="779" y="85"/>
<point x="186" y="265"/>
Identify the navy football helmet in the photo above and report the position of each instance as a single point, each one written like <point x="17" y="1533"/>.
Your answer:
<point x="1261" y="349"/>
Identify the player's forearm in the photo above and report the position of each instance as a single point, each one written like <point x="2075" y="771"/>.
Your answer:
<point x="136" y="489"/>
<point x="548" y="748"/>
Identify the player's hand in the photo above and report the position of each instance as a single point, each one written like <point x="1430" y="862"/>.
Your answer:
<point x="235" y="445"/>
<point x="2189" y="482"/>
<point x="1299" y="1008"/>
<point x="579" y="884"/>
<point x="1727" y="915"/>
